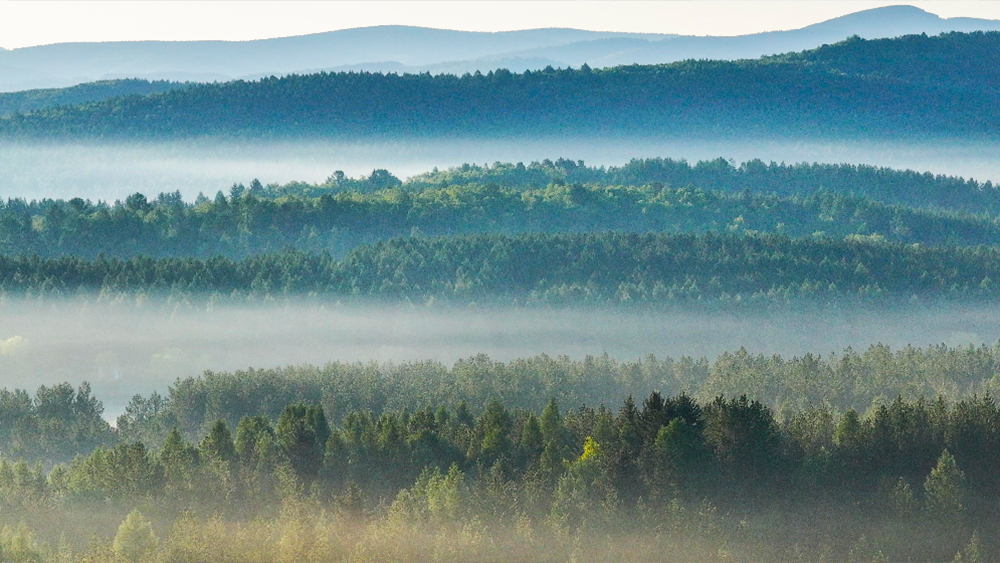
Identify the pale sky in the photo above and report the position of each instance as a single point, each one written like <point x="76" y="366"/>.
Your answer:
<point x="35" y="22"/>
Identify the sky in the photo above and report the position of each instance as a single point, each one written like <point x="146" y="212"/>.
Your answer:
<point x="38" y="22"/>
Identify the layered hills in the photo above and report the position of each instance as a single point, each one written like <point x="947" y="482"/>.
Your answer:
<point x="912" y="86"/>
<point x="377" y="238"/>
<point x="414" y="50"/>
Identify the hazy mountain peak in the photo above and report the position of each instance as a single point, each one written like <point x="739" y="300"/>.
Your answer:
<point x="415" y="49"/>
<point x="893" y="21"/>
<point x="886" y="21"/>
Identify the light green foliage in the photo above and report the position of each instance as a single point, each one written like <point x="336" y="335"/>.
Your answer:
<point x="18" y="545"/>
<point x="435" y="497"/>
<point x="127" y="470"/>
<point x="945" y="488"/>
<point x="135" y="538"/>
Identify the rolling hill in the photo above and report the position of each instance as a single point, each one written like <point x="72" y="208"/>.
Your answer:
<point x="415" y="50"/>
<point x="912" y="86"/>
<point x="33" y="100"/>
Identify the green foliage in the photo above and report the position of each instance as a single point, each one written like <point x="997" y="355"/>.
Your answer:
<point x="746" y="441"/>
<point x="56" y="424"/>
<point x="945" y="487"/>
<point x="584" y="494"/>
<point x="135" y="538"/>
<point x="972" y="552"/>
<point x="835" y="194"/>
<point x="124" y="471"/>
<point x="680" y="459"/>
<point x="435" y="497"/>
<point x="218" y="444"/>
<point x="252" y="400"/>
<point x="179" y="461"/>
<point x="616" y="268"/>
<point x="670" y="468"/>
<point x="253" y="435"/>
<point x="302" y="432"/>
<point x="652" y="195"/>
<point x="18" y="545"/>
<point x="901" y="499"/>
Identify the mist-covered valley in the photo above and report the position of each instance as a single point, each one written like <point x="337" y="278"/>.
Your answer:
<point x="329" y="332"/>
<point x="123" y="349"/>
<point x="113" y="170"/>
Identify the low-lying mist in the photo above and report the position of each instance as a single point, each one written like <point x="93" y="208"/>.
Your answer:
<point x="124" y="349"/>
<point x="110" y="171"/>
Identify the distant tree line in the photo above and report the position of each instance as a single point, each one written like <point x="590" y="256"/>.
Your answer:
<point x="27" y="101"/>
<point x="912" y="86"/>
<point x="568" y="268"/>
<point x="886" y="185"/>
<point x="839" y="382"/>
<point x="58" y="422"/>
<point x="654" y="195"/>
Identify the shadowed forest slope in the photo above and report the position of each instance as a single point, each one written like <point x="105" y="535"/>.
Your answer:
<point x="909" y="86"/>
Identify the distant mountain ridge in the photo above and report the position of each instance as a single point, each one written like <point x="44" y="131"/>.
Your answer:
<point x="32" y="100"/>
<point x="916" y="86"/>
<point x="63" y="64"/>
<point x="415" y="50"/>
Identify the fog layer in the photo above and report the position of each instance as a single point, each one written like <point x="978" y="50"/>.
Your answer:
<point x="127" y="349"/>
<point x="111" y="171"/>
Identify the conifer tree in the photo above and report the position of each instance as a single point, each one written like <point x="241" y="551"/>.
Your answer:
<point x="945" y="488"/>
<point x="218" y="444"/>
<point x="135" y="538"/>
<point x="302" y="432"/>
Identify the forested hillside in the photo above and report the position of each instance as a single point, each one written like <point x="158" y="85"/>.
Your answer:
<point x="968" y="61"/>
<point x="910" y="86"/>
<point x="33" y="100"/>
<point x="566" y="268"/>
<point x="886" y="185"/>
<point x="655" y="195"/>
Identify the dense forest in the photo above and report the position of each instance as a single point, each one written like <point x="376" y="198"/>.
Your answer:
<point x="716" y="479"/>
<point x="27" y="101"/>
<point x="59" y="423"/>
<point x="654" y="195"/>
<point x="885" y="185"/>
<point x="619" y="268"/>
<point x="913" y="86"/>
<point x="840" y="382"/>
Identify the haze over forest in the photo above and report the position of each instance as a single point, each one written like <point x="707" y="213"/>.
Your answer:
<point x="577" y="296"/>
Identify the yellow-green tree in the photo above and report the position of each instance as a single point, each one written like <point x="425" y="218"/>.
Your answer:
<point x="135" y="538"/>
